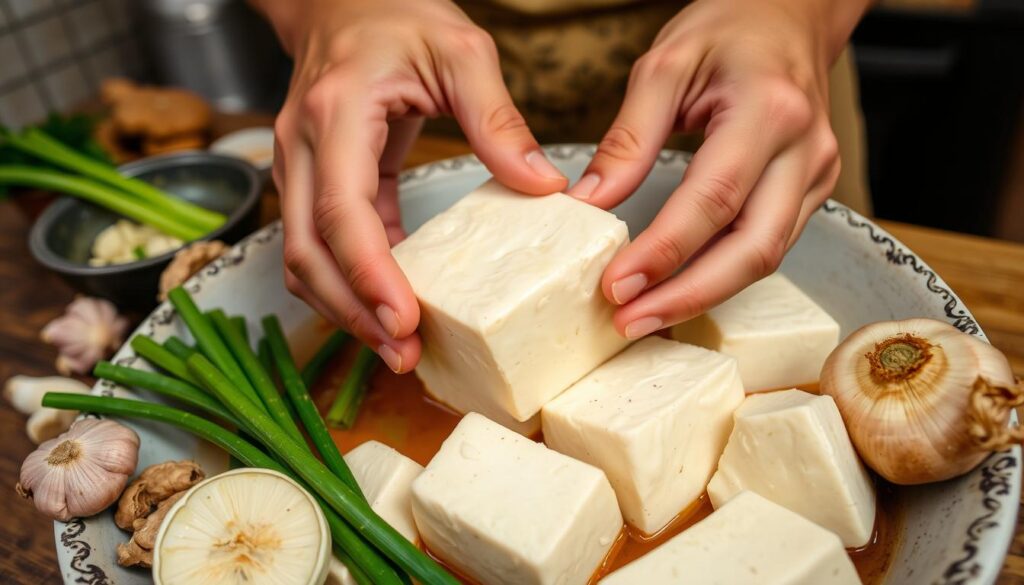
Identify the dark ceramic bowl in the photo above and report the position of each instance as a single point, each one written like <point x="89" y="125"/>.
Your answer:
<point x="62" y="237"/>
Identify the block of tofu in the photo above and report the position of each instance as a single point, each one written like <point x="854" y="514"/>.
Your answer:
<point x="511" y="307"/>
<point x="386" y="477"/>
<point x="655" y="418"/>
<point x="779" y="336"/>
<point x="792" y="448"/>
<point x="749" y="540"/>
<point x="501" y="508"/>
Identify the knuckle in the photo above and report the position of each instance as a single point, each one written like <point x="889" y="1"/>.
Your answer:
<point x="621" y="143"/>
<point x="503" y="119"/>
<point x="329" y="212"/>
<point x="360" y="272"/>
<point x="297" y="263"/>
<point x="470" y="42"/>
<point x="662" y="62"/>
<point x="668" y="251"/>
<point x="788" y="105"/>
<point x="719" y="198"/>
<point x="766" y="254"/>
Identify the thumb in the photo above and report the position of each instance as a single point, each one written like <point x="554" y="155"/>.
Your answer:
<point x="496" y="130"/>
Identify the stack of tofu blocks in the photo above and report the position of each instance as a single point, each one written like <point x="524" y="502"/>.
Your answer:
<point x="518" y="336"/>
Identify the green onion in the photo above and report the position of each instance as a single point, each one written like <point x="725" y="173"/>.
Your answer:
<point x="338" y="494"/>
<point x="364" y="556"/>
<point x="210" y="343"/>
<point x="259" y="378"/>
<point x="179" y="348"/>
<point x="160" y="357"/>
<point x="311" y="371"/>
<point x="41" y="145"/>
<point x="100" y="195"/>
<point x="165" y="385"/>
<point x="238" y="322"/>
<point x="139" y="252"/>
<point x="350" y="395"/>
<point x="299" y="396"/>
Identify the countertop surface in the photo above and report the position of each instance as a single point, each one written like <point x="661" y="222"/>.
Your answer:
<point x="987" y="274"/>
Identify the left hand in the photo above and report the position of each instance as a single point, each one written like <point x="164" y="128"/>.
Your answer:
<point x="754" y="75"/>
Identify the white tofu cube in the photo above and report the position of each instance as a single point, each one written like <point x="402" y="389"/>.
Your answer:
<point x="501" y="508"/>
<point x="749" y="540"/>
<point x="655" y="418"/>
<point x="386" y="477"/>
<point x="511" y="307"/>
<point x="779" y="336"/>
<point x="792" y="448"/>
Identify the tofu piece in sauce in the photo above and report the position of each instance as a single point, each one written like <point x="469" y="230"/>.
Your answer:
<point x="655" y="418"/>
<point x="385" y="476"/>
<point x="792" y="448"/>
<point x="749" y="540"/>
<point x="503" y="509"/>
<point x="512" y="311"/>
<point x="778" y="335"/>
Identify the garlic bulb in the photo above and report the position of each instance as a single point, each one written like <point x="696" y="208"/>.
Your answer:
<point x="922" y="400"/>
<point x="88" y="331"/>
<point x="81" y="472"/>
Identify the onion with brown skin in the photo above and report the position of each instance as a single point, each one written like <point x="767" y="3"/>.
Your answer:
<point x="922" y="401"/>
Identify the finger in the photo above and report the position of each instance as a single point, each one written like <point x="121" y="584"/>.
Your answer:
<point x="714" y="188"/>
<point x="388" y="209"/>
<point x="752" y="249"/>
<point x="316" y="276"/>
<point x="629" y="148"/>
<point x="496" y="130"/>
<point x="349" y="143"/>
<point x="813" y="201"/>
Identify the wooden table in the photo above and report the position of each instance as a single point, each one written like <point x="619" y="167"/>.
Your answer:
<point x="988" y="275"/>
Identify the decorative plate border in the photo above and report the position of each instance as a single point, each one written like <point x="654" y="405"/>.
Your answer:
<point x="997" y="471"/>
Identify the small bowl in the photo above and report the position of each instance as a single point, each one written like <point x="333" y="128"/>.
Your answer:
<point x="61" y="239"/>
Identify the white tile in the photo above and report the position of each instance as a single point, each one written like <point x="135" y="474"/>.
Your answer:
<point x="13" y="61"/>
<point x="90" y="23"/>
<point x="47" y="41"/>
<point x="20" y="107"/>
<point x="26" y="8"/>
<point x="68" y="87"/>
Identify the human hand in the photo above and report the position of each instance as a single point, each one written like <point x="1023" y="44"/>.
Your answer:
<point x="754" y="75"/>
<point x="364" y="75"/>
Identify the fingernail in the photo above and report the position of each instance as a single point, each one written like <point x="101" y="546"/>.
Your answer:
<point x="388" y="319"/>
<point x="626" y="289"/>
<point x="642" y="326"/>
<point x="586" y="186"/>
<point x="542" y="166"/>
<point x="391" y="357"/>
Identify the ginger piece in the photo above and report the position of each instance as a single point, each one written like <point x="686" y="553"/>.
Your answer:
<point x="138" y="551"/>
<point x="187" y="262"/>
<point x="177" y="143"/>
<point x="154" y="485"/>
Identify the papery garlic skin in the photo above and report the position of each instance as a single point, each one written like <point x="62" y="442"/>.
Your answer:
<point x="904" y="389"/>
<point x="89" y="330"/>
<point x="81" y="472"/>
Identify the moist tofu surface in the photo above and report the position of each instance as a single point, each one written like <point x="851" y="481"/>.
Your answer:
<point x="749" y="540"/>
<point x="778" y="335"/>
<point x="655" y="418"/>
<point x="501" y="508"/>
<point x="511" y="307"/>
<point x="385" y="476"/>
<point x="791" y="447"/>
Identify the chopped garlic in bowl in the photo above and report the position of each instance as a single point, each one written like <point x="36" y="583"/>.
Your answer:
<point x="125" y="241"/>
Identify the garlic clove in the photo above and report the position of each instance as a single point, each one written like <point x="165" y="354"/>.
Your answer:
<point x="25" y="393"/>
<point x="47" y="423"/>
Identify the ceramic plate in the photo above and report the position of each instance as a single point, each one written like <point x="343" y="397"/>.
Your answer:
<point x="955" y="532"/>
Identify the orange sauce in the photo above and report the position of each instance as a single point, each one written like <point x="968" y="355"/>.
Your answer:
<point x="398" y="413"/>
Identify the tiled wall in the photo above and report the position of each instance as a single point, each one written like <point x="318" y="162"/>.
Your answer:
<point x="54" y="53"/>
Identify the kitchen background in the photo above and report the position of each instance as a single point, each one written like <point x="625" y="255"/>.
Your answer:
<point x="942" y="83"/>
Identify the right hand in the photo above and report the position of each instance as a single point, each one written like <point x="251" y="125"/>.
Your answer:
<point x="360" y="66"/>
